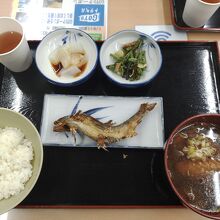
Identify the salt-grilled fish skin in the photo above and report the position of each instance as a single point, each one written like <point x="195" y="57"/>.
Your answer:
<point x="102" y="133"/>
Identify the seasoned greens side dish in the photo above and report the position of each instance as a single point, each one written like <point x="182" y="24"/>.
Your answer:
<point x="129" y="61"/>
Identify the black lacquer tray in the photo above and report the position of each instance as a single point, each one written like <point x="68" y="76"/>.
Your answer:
<point x="88" y="177"/>
<point x="177" y="7"/>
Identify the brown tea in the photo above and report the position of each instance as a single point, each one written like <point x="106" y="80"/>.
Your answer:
<point x="9" y="40"/>
<point x="211" y="1"/>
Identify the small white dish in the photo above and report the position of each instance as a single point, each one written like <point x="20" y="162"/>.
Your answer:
<point x="60" y="37"/>
<point x="115" y="43"/>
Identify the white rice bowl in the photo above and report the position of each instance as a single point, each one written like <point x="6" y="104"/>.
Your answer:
<point x="16" y="154"/>
<point x="21" y="158"/>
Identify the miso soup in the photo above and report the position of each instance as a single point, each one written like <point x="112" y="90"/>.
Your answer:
<point x="194" y="165"/>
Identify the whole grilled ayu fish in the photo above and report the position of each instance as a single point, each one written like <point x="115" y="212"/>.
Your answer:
<point x="102" y="133"/>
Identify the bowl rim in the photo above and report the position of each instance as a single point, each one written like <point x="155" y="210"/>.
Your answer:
<point x="129" y="83"/>
<point x="75" y="83"/>
<point x="175" y="130"/>
<point x="40" y="161"/>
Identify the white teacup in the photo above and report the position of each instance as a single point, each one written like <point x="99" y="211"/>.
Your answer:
<point x="19" y="58"/>
<point x="197" y="12"/>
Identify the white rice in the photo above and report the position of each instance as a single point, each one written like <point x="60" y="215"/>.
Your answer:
<point x="16" y="154"/>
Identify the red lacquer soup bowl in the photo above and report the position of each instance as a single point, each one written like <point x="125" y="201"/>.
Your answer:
<point x="192" y="163"/>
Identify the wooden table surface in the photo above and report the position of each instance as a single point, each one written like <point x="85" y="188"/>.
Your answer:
<point x="122" y="14"/>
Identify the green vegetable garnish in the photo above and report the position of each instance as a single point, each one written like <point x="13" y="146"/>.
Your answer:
<point x="130" y="61"/>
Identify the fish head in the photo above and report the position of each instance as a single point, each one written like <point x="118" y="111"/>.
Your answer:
<point x="69" y="123"/>
<point x="62" y="124"/>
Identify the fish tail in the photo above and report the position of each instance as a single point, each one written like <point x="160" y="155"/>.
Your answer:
<point x="147" y="107"/>
<point x="144" y="108"/>
<point x="128" y="127"/>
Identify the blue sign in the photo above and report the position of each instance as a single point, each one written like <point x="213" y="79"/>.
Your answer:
<point x="89" y="15"/>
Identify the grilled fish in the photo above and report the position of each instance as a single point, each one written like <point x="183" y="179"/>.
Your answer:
<point x="103" y="133"/>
